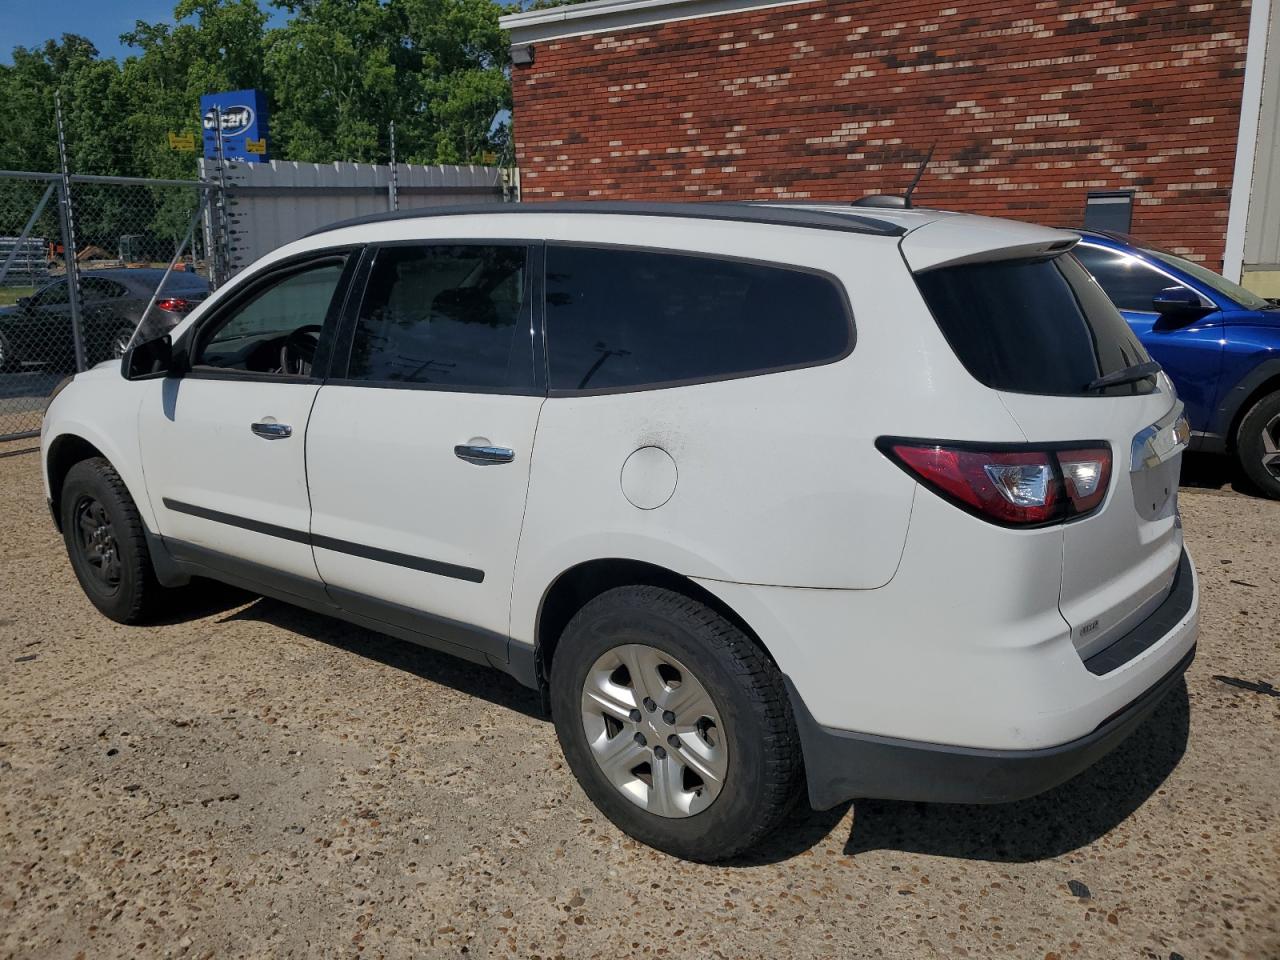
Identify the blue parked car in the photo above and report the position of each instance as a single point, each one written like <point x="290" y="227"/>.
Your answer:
<point x="1219" y="343"/>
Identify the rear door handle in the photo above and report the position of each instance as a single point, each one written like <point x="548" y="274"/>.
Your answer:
<point x="271" y="430"/>
<point x="476" y="453"/>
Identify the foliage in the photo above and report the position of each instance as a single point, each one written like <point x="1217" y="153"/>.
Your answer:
<point x="336" y="74"/>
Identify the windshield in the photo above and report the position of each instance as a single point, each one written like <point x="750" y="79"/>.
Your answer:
<point x="1215" y="281"/>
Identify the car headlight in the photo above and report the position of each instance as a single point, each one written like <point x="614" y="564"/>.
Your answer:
<point x="62" y="385"/>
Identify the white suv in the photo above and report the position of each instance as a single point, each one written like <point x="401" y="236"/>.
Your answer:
<point x="880" y="501"/>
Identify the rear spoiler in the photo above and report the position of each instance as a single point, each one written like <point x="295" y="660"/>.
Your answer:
<point x="951" y="241"/>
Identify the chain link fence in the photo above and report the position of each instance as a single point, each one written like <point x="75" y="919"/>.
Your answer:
<point x="87" y="265"/>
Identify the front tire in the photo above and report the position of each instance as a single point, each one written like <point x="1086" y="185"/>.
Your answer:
<point x="106" y="542"/>
<point x="1258" y="445"/>
<point x="676" y="724"/>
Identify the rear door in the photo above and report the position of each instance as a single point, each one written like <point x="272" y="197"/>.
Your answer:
<point x="419" y="449"/>
<point x="1040" y="330"/>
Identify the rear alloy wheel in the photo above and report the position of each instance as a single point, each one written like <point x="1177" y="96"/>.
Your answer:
<point x="119" y="342"/>
<point x="654" y="731"/>
<point x="676" y="724"/>
<point x="1258" y="445"/>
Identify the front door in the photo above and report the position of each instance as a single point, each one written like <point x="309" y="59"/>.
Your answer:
<point x="223" y="446"/>
<point x="418" y="452"/>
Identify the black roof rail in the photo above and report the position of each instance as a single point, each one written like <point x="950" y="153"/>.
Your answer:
<point x="766" y="213"/>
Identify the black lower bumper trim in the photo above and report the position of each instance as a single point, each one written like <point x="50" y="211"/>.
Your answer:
<point x="1155" y="627"/>
<point x="846" y="766"/>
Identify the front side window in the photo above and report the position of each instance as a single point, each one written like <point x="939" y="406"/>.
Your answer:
<point x="619" y="319"/>
<point x="277" y="328"/>
<point x="1128" y="281"/>
<point x="454" y="316"/>
<point x="1214" y="281"/>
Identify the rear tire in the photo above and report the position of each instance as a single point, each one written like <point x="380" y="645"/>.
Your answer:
<point x="731" y="720"/>
<point x="7" y="360"/>
<point x="1258" y="445"/>
<point x="107" y="543"/>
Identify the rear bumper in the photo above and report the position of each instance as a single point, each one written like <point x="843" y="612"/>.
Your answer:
<point x="843" y="766"/>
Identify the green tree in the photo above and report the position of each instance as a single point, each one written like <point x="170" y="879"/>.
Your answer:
<point x="457" y="79"/>
<point x="332" y="79"/>
<point x="220" y="47"/>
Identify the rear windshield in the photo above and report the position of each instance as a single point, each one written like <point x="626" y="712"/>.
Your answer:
<point x="1033" y="326"/>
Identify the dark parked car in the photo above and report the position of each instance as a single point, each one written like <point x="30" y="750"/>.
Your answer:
<point x="37" y="329"/>
<point x="1217" y="341"/>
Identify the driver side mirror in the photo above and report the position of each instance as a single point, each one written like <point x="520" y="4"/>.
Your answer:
<point x="1178" y="302"/>
<point x="150" y="360"/>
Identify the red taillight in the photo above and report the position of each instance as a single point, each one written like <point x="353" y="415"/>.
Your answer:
<point x="174" y="304"/>
<point x="1013" y="486"/>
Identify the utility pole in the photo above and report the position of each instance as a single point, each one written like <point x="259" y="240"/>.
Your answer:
<point x="69" y="237"/>
<point x="393" y="185"/>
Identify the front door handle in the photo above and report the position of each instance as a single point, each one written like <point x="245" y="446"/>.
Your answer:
<point x="271" y="430"/>
<point x="482" y="454"/>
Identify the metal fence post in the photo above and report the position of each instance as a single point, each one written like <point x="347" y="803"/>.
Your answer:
<point x="68" y="223"/>
<point x="222" y="253"/>
<point x="393" y="185"/>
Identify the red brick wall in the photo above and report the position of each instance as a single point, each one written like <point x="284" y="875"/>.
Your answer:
<point x="1032" y="105"/>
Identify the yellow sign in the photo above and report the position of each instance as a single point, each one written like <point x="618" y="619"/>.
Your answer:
<point x="186" y="142"/>
<point x="258" y="147"/>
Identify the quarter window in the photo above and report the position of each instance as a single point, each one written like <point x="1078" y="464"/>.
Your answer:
<point x="99" y="288"/>
<point x="619" y="319"/>
<point x="454" y="316"/>
<point x="1128" y="281"/>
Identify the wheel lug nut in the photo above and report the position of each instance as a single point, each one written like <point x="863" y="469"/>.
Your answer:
<point x="660" y="753"/>
<point x="641" y="740"/>
<point x="649" y="704"/>
<point x="668" y="716"/>
<point x="673" y="741"/>
<point x="635" y="716"/>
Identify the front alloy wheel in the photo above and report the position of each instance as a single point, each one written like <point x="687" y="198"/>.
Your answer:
<point x="1271" y="446"/>
<point x="96" y="539"/>
<point x="654" y="730"/>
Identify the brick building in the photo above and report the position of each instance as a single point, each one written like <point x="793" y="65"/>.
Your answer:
<point x="1148" y="110"/>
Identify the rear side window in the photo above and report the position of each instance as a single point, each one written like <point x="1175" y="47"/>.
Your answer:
<point x="447" y="315"/>
<point x="1032" y="326"/>
<point x="1130" y="283"/>
<point x="619" y="319"/>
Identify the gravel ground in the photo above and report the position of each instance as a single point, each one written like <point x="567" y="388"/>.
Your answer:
<point x="253" y="780"/>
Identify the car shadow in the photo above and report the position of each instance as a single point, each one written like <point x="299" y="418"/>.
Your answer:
<point x="1207" y="471"/>
<point x="485" y="683"/>
<point x="1064" y="819"/>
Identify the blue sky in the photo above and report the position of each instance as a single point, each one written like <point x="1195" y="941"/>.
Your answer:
<point x="28" y="23"/>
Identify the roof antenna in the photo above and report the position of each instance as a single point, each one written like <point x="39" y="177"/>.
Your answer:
<point x="892" y="200"/>
<point x="919" y="173"/>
